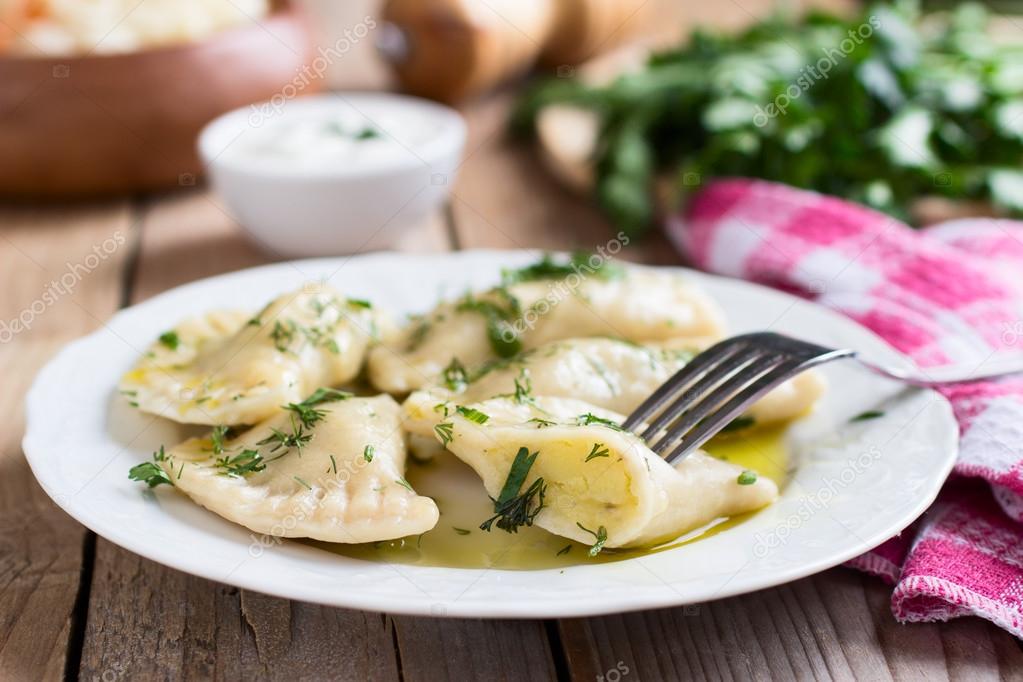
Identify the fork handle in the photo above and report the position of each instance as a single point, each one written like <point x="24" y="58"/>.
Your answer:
<point x="930" y="377"/>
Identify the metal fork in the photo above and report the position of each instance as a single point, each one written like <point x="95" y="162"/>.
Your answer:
<point x="721" y="382"/>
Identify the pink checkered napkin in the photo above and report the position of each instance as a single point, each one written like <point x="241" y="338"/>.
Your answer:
<point x="949" y="294"/>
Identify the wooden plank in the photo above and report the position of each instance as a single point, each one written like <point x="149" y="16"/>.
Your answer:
<point x="836" y="625"/>
<point x="62" y="274"/>
<point x="146" y="620"/>
<point x="451" y="649"/>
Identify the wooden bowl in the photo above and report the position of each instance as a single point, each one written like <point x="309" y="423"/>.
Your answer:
<point x="91" y="125"/>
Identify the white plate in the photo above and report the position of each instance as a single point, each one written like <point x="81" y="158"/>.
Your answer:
<point x="855" y="484"/>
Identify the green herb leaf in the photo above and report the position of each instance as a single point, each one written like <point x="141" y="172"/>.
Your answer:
<point x="444" y="432"/>
<point x="868" y="415"/>
<point x="598" y="450"/>
<point x="367" y="453"/>
<point x="512" y="509"/>
<point x="455" y="376"/>
<point x="461" y="531"/>
<point x="590" y="418"/>
<point x="747" y="478"/>
<point x="600" y="535"/>
<point x="170" y="340"/>
<point x="472" y="414"/>
<point x="404" y="484"/>
<point x="151" y="473"/>
<point x="242" y="464"/>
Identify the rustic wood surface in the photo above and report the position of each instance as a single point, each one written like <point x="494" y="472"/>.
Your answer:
<point x="75" y="606"/>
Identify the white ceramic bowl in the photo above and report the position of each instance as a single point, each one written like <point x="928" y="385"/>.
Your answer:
<point x="298" y="191"/>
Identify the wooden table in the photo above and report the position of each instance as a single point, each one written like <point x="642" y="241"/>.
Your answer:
<point x="76" y="605"/>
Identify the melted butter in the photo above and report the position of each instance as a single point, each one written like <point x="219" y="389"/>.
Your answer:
<point x="458" y="542"/>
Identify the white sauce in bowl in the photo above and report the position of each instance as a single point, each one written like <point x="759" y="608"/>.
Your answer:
<point x="332" y="134"/>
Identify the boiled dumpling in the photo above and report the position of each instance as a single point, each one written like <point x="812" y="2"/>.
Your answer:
<point x="615" y="375"/>
<point x="331" y="468"/>
<point x="599" y="484"/>
<point x="234" y="368"/>
<point x="636" y="304"/>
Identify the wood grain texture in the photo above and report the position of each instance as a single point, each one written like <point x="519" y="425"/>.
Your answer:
<point x="835" y="625"/>
<point x="56" y="287"/>
<point x="451" y="649"/>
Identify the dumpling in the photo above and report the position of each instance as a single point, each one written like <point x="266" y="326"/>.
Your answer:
<point x="565" y="466"/>
<point x="232" y="368"/>
<point x="330" y="468"/>
<point x="636" y="304"/>
<point x="615" y="375"/>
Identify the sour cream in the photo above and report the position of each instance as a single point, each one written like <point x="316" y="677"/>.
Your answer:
<point x="337" y="133"/>
<point x="334" y="173"/>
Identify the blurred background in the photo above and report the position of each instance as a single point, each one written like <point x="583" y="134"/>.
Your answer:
<point x="627" y="107"/>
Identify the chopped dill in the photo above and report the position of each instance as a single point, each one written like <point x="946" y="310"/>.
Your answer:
<point x="245" y="462"/>
<point x="512" y="509"/>
<point x="472" y="414"/>
<point x="598" y="451"/>
<point x="444" y="432"/>
<point x="601" y="538"/>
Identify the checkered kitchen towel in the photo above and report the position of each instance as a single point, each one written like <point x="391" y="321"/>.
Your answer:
<point x="951" y="293"/>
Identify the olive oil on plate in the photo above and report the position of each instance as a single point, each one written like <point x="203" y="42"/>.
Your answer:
<point x="458" y="542"/>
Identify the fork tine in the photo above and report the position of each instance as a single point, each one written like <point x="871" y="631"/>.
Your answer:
<point x="700" y="365"/>
<point x="711" y="402"/>
<point x="737" y="363"/>
<point x="730" y="410"/>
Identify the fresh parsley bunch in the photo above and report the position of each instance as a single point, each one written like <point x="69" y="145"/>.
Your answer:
<point x="882" y="109"/>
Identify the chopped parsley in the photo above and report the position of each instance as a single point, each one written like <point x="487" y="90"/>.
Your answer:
<point x="472" y="414"/>
<point x="601" y="538"/>
<point x="359" y="303"/>
<point x="579" y="263"/>
<point x="868" y="415"/>
<point x="501" y="333"/>
<point x="367" y="453"/>
<point x="283" y="335"/>
<point x="512" y="509"/>
<point x="151" y="473"/>
<point x="598" y="451"/>
<point x="456" y="378"/>
<point x="523" y="387"/>
<point x="170" y="340"/>
<point x="747" y="478"/>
